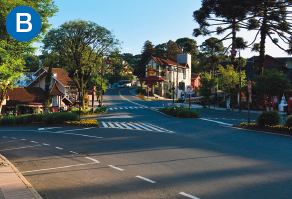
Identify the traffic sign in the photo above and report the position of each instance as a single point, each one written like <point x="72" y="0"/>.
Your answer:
<point x="189" y="89"/>
<point x="249" y="87"/>
<point x="23" y="23"/>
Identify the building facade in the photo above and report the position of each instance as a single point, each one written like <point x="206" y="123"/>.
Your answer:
<point x="162" y="75"/>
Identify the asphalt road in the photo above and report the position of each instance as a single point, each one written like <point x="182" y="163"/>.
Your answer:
<point x="140" y="153"/>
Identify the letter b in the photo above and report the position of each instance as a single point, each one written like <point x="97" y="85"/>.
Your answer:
<point x="18" y="22"/>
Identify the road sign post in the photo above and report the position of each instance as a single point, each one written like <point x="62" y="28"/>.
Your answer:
<point x="249" y="87"/>
<point x="189" y="91"/>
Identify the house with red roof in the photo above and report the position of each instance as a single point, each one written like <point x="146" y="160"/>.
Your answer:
<point x="29" y="99"/>
<point x="164" y="74"/>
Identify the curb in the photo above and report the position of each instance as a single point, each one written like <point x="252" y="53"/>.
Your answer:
<point x="28" y="185"/>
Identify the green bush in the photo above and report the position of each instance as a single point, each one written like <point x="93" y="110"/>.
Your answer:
<point x="100" y="110"/>
<point x="8" y="120"/>
<point x="180" y="112"/>
<point x="19" y="119"/>
<point x="179" y="100"/>
<point x="288" y="121"/>
<point x="270" y="118"/>
<point x="59" y="117"/>
<point x="169" y="94"/>
<point x="32" y="118"/>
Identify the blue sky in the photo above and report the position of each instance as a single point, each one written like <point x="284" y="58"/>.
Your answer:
<point x="135" y="21"/>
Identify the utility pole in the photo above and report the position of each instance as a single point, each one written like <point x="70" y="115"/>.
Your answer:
<point x="177" y="82"/>
<point x="239" y="83"/>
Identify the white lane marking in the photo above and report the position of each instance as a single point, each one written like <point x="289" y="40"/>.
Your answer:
<point x="131" y="107"/>
<point x="116" y="108"/>
<point x="125" y="108"/>
<point x="4" y="136"/>
<point x="23" y="139"/>
<point x="46" y="144"/>
<point x="119" y="126"/>
<point x="110" y="109"/>
<point x="141" y="107"/>
<point x="136" y="107"/>
<point x="121" y="108"/>
<point x="112" y="166"/>
<point x="188" y="195"/>
<point x="14" y="138"/>
<point x="146" y="179"/>
<point x="216" y="122"/>
<point x="19" y="148"/>
<point x="94" y="160"/>
<point x="104" y="124"/>
<point x="126" y="126"/>
<point x="59" y="148"/>
<point x="48" y="128"/>
<point x="73" y="152"/>
<point x="76" y="165"/>
<point x="33" y="141"/>
<point x="111" y="125"/>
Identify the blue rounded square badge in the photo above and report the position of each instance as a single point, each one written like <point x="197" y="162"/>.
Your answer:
<point x="23" y="23"/>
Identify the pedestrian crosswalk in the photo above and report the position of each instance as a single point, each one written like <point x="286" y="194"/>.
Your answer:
<point x="126" y="108"/>
<point x="134" y="126"/>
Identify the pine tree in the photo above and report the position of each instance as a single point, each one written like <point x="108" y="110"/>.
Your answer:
<point x="147" y="51"/>
<point x="272" y="19"/>
<point x="47" y="97"/>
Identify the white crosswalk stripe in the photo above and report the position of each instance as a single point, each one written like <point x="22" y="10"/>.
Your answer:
<point x="127" y="127"/>
<point x="134" y="126"/>
<point x="126" y="107"/>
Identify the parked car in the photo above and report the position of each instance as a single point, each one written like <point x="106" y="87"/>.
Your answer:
<point x="124" y="83"/>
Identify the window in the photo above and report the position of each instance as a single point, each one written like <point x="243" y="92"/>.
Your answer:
<point x="184" y="73"/>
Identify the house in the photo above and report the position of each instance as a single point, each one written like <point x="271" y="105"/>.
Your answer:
<point x="195" y="79"/>
<point x="164" y="74"/>
<point x="25" y="99"/>
<point x="63" y="88"/>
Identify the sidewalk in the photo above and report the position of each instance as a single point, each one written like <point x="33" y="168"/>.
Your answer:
<point x="12" y="183"/>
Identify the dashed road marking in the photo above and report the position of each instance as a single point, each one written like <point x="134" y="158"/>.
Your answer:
<point x="146" y="179"/>
<point x="24" y="147"/>
<point x="112" y="166"/>
<point x="73" y="152"/>
<point x="59" y="148"/>
<point x="188" y="195"/>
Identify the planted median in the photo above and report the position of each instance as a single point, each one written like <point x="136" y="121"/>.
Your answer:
<point x="181" y="112"/>
<point x="58" y="118"/>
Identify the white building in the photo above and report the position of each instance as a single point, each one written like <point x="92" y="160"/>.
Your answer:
<point x="161" y="74"/>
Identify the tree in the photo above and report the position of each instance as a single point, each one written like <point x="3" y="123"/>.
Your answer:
<point x="147" y="51"/>
<point x="31" y="62"/>
<point x="213" y="49"/>
<point x="80" y="45"/>
<point x="11" y="50"/>
<point x="172" y="50"/>
<point x="205" y="87"/>
<point x="229" y="79"/>
<point x="229" y="15"/>
<point x="271" y="18"/>
<point x="271" y="82"/>
<point x="187" y="45"/>
<point x="48" y="80"/>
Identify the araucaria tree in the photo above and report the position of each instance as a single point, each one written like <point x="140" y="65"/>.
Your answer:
<point x="225" y="15"/>
<point x="80" y="45"/>
<point x="11" y="50"/>
<point x="272" y="19"/>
